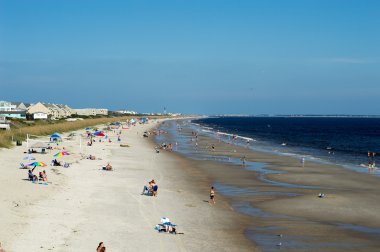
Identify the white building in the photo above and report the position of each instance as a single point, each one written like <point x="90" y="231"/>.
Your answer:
<point x="40" y="115"/>
<point x="8" y="109"/>
<point x="4" y="125"/>
<point x="126" y="112"/>
<point x="91" y="111"/>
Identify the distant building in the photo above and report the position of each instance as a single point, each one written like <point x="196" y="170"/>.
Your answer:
<point x="126" y="112"/>
<point x="91" y="111"/>
<point x="38" y="109"/>
<point x="8" y="109"/>
<point x="4" y="125"/>
<point x="40" y="115"/>
<point x="44" y="110"/>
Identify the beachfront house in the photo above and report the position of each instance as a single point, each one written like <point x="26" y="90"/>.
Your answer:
<point x="91" y="111"/>
<point x="11" y="110"/>
<point x="65" y="111"/>
<point x="40" y="116"/>
<point x="54" y="111"/>
<point x="39" y="110"/>
<point x="21" y="105"/>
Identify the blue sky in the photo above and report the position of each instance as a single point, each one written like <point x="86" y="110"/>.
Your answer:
<point x="204" y="57"/>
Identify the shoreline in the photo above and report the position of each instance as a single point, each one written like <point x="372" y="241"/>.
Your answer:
<point x="286" y="199"/>
<point x="85" y="205"/>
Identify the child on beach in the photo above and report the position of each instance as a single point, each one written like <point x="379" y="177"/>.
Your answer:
<point x="212" y="195"/>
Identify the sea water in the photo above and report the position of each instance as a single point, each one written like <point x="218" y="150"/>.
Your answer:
<point x="342" y="141"/>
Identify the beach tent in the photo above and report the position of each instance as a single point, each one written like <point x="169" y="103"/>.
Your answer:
<point x="40" y="145"/>
<point x="55" y="136"/>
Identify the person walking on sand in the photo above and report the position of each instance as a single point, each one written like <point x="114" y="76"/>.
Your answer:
<point x="303" y="161"/>
<point x="212" y="195"/>
<point x="243" y="160"/>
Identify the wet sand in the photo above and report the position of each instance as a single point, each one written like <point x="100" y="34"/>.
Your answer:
<point x="285" y="202"/>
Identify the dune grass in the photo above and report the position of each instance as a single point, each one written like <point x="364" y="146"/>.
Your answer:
<point x="48" y="129"/>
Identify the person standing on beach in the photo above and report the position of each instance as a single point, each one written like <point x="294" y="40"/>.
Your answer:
<point x="303" y="161"/>
<point x="212" y="195"/>
<point x="243" y="160"/>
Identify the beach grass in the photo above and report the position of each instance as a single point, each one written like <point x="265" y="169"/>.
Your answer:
<point x="19" y="134"/>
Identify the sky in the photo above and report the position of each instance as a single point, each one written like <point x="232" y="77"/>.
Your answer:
<point x="194" y="56"/>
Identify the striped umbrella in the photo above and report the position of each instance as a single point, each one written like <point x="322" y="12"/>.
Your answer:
<point x="37" y="164"/>
<point x="62" y="153"/>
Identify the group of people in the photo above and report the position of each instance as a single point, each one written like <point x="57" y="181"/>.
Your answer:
<point x="55" y="162"/>
<point x="42" y="176"/>
<point x="151" y="189"/>
<point x="165" y="146"/>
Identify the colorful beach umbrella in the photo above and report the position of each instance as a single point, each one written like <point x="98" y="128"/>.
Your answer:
<point x="99" y="134"/>
<point x="37" y="164"/>
<point x="62" y="153"/>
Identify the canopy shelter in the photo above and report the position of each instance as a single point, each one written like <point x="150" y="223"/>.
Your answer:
<point x="40" y="145"/>
<point x="55" y="136"/>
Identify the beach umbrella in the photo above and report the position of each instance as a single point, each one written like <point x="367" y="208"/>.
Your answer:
<point x="62" y="153"/>
<point x="88" y="128"/>
<point x="100" y="134"/>
<point x="29" y="158"/>
<point x="37" y="164"/>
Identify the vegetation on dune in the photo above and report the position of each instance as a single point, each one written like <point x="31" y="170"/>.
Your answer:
<point x="21" y="129"/>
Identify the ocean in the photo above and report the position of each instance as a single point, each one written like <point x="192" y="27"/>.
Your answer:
<point x="342" y="141"/>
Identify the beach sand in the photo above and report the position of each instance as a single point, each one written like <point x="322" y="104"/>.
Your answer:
<point x="84" y="205"/>
<point x="347" y="219"/>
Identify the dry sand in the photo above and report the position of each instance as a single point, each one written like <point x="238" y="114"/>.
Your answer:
<point x="83" y="205"/>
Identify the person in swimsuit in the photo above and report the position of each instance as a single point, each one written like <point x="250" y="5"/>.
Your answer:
<point x="212" y="195"/>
